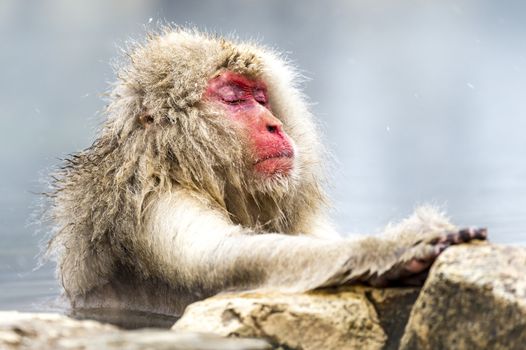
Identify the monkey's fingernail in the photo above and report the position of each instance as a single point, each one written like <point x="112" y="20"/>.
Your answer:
<point x="466" y="235"/>
<point x="481" y="233"/>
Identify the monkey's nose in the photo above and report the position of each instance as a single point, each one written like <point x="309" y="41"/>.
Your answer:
<point x="272" y="128"/>
<point x="272" y="124"/>
<point x="269" y="122"/>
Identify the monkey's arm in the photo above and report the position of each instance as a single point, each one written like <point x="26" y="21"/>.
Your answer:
<point x="195" y="246"/>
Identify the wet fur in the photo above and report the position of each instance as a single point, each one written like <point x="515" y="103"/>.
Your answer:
<point x="152" y="217"/>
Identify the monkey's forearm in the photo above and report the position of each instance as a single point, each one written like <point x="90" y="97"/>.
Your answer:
<point x="286" y="262"/>
<point x="294" y="263"/>
<point x="196" y="246"/>
<point x="401" y="255"/>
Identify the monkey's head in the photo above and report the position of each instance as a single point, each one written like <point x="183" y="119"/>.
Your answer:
<point x="245" y="101"/>
<point x="221" y="119"/>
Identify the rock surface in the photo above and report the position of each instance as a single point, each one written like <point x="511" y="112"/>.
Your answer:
<point x="393" y="307"/>
<point x="53" y="331"/>
<point x="474" y="298"/>
<point x="348" y="318"/>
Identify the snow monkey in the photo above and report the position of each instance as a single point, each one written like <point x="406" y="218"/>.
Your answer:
<point x="208" y="176"/>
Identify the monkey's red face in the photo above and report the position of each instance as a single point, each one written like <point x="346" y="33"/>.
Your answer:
<point x="246" y="103"/>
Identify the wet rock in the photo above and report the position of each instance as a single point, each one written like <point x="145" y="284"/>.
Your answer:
<point x="348" y="318"/>
<point x="53" y="331"/>
<point x="474" y="298"/>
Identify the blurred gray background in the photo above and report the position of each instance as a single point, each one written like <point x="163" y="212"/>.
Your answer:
<point x="420" y="101"/>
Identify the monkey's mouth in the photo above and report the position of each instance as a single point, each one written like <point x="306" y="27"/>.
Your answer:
<point x="278" y="155"/>
<point x="275" y="163"/>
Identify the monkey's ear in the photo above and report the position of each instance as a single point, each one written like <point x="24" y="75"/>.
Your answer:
<point x="145" y="119"/>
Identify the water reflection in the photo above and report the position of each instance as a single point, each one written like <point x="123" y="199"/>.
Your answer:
<point x="125" y="319"/>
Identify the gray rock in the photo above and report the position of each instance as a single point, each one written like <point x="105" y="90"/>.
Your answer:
<point x="474" y="298"/>
<point x="347" y="318"/>
<point x="53" y="331"/>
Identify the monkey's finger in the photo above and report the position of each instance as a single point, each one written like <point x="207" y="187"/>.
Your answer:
<point x="474" y="233"/>
<point x="429" y="251"/>
<point x="467" y="234"/>
<point x="422" y="259"/>
<point x="462" y="236"/>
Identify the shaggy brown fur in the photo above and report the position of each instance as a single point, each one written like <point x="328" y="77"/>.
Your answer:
<point x="106" y="197"/>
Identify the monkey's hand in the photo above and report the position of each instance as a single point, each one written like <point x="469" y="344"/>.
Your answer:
<point x="405" y="252"/>
<point x="415" y="261"/>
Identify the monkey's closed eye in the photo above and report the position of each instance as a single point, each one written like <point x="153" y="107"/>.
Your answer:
<point x="234" y="101"/>
<point x="260" y="97"/>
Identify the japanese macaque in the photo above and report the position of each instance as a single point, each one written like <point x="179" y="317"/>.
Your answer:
<point x="208" y="176"/>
